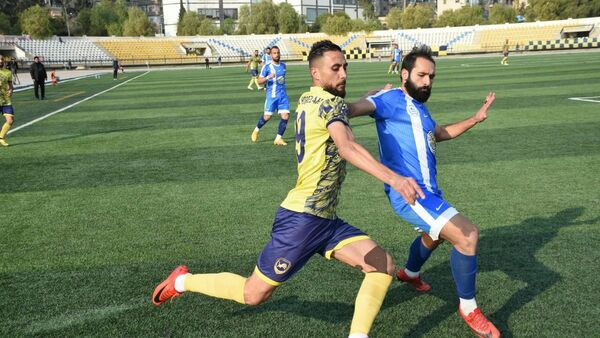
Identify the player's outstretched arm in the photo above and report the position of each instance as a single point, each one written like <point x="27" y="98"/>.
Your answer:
<point x="359" y="157"/>
<point x="453" y="130"/>
<point x="363" y="106"/>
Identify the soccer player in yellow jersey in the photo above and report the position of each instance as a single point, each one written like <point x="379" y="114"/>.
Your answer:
<point x="306" y="222"/>
<point x="253" y="66"/>
<point x="505" y="54"/>
<point x="6" y="91"/>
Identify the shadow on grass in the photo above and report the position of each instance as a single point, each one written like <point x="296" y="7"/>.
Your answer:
<point x="509" y="249"/>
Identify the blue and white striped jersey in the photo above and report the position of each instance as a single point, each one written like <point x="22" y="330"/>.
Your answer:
<point x="406" y="137"/>
<point x="276" y="85"/>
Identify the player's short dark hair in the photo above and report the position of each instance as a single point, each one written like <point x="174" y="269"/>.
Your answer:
<point x="273" y="47"/>
<point x="36" y="57"/>
<point x="319" y="48"/>
<point x="422" y="51"/>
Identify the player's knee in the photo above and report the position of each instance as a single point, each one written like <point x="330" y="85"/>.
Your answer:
<point x="468" y="243"/>
<point x="256" y="298"/>
<point x="285" y="116"/>
<point x="378" y="260"/>
<point x="266" y="117"/>
<point x="429" y="242"/>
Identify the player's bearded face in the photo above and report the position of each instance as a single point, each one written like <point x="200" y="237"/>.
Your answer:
<point x="421" y="93"/>
<point x="333" y="74"/>
<point x="275" y="54"/>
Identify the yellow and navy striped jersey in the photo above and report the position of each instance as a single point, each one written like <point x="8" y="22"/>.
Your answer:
<point x="254" y="61"/>
<point x="321" y="170"/>
<point x="6" y="78"/>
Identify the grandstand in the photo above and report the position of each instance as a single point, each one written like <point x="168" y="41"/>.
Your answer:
<point x="99" y="51"/>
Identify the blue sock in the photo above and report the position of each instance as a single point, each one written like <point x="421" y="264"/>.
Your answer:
<point x="417" y="255"/>
<point x="261" y="122"/>
<point x="282" y="126"/>
<point x="464" y="270"/>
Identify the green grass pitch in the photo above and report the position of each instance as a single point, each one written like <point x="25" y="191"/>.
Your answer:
<point x="101" y="201"/>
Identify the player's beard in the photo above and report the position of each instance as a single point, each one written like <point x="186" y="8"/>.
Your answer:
<point x="334" y="91"/>
<point x="420" y="94"/>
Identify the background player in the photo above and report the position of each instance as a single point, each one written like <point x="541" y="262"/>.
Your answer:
<point x="306" y="223"/>
<point x="396" y="59"/>
<point x="273" y="74"/>
<point x="407" y="144"/>
<point x="253" y="66"/>
<point x="6" y="91"/>
<point x="505" y="53"/>
<point x="265" y="58"/>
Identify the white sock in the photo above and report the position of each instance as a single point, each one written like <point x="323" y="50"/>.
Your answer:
<point x="467" y="305"/>
<point x="277" y="137"/>
<point x="256" y="129"/>
<point x="180" y="282"/>
<point x="412" y="274"/>
<point x="358" y="335"/>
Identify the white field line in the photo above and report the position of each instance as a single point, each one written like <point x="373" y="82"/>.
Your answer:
<point x="595" y="99"/>
<point x="72" y="105"/>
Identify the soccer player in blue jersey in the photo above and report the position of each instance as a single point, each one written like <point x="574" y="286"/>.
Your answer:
<point x="396" y="59"/>
<point x="306" y="222"/>
<point x="407" y="143"/>
<point x="265" y="58"/>
<point x="273" y="74"/>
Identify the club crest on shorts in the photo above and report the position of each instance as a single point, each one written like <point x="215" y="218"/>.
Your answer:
<point x="431" y="141"/>
<point x="281" y="266"/>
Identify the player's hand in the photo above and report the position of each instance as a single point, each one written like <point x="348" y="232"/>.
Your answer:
<point x="271" y="76"/>
<point x="481" y="115"/>
<point x="377" y="90"/>
<point x="408" y="188"/>
<point x="10" y="92"/>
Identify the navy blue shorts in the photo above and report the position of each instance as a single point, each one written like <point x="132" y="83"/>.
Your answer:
<point x="254" y="72"/>
<point x="8" y="110"/>
<point x="295" y="238"/>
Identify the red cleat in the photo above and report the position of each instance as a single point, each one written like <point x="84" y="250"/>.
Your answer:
<point x="166" y="290"/>
<point x="416" y="282"/>
<point x="480" y="325"/>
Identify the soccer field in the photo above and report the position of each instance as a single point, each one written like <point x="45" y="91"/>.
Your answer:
<point x="102" y="200"/>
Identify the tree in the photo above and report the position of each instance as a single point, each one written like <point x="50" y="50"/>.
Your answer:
<point x="107" y="18"/>
<point x="84" y="21"/>
<point x="368" y="9"/>
<point x="417" y="16"/>
<point x="243" y="20"/>
<point x="263" y="18"/>
<point x="580" y="9"/>
<point x="319" y="22"/>
<point x="373" y="25"/>
<point x="228" y="26"/>
<point x="394" y="18"/>
<point x="137" y="23"/>
<point x="58" y="26"/>
<point x="206" y="27"/>
<point x="543" y="10"/>
<point x="500" y="14"/>
<point x="189" y="24"/>
<point x="181" y="15"/>
<point x="4" y="24"/>
<point x="287" y="19"/>
<point x="465" y="16"/>
<point x="302" y="26"/>
<point x="337" y="24"/>
<point x="357" y="25"/>
<point x="35" y="21"/>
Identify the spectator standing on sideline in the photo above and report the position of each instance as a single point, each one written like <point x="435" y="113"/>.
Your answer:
<point x="39" y="77"/>
<point x="115" y="68"/>
<point x="207" y="63"/>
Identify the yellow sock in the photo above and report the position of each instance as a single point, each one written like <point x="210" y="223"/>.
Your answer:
<point x="4" y="130"/>
<point x="369" y="300"/>
<point x="220" y="285"/>
<point x="251" y="81"/>
<point x="256" y="81"/>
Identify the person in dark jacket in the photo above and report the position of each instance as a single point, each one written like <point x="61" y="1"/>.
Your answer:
<point x="116" y="66"/>
<point x="39" y="77"/>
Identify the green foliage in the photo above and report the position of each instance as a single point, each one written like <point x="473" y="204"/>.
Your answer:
<point x="394" y="18"/>
<point x="302" y="26"/>
<point x="263" y="19"/>
<point x="337" y="24"/>
<point x="207" y="27"/>
<point x="465" y="16"/>
<point x="243" y="20"/>
<point x="543" y="10"/>
<point x="189" y="24"/>
<point x="35" y="21"/>
<point x="137" y="23"/>
<point x="417" y="16"/>
<point x="287" y="19"/>
<point x="58" y="25"/>
<point x="181" y="14"/>
<point x="368" y="9"/>
<point x="500" y="14"/>
<point x="319" y="22"/>
<point x="4" y="24"/>
<point x="373" y="25"/>
<point x="228" y="26"/>
<point x="84" y="21"/>
<point x="107" y="18"/>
